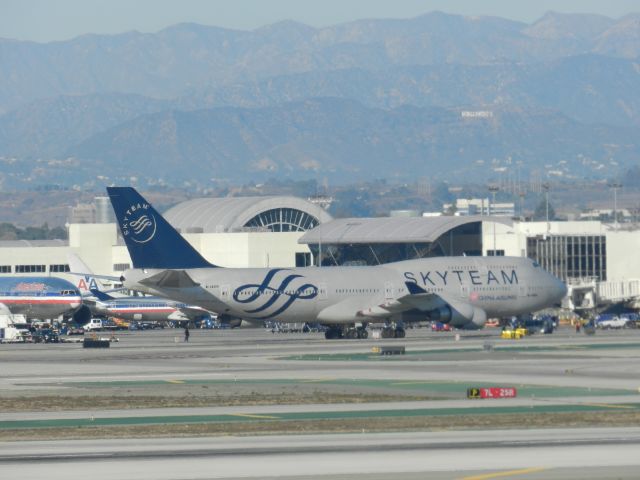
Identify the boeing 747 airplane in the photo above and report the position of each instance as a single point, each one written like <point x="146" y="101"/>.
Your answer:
<point x="461" y="291"/>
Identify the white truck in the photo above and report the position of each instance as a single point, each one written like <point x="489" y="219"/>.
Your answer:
<point x="93" y="325"/>
<point x="613" y="322"/>
<point x="13" y="328"/>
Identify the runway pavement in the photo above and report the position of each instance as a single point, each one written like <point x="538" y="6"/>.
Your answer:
<point x="533" y="454"/>
<point x="560" y="372"/>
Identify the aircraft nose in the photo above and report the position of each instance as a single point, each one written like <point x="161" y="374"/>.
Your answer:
<point x="561" y="289"/>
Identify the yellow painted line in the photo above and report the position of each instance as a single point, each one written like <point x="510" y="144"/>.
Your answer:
<point x="414" y="383"/>
<point x="509" y="473"/>
<point x="317" y="380"/>
<point x="175" y="381"/>
<point x="609" y="405"/>
<point x="247" y="415"/>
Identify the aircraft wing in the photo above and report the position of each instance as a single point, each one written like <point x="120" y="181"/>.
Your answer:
<point x="458" y="312"/>
<point x="193" y="312"/>
<point x="416" y="299"/>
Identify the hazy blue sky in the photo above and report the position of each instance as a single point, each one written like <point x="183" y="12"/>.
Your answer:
<point x="46" y="20"/>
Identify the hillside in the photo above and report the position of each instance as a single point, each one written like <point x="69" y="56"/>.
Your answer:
<point x="344" y="140"/>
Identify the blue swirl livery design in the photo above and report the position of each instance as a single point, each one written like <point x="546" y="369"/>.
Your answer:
<point x="281" y="295"/>
<point x="138" y="223"/>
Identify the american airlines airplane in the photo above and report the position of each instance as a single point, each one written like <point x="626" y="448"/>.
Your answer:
<point x="461" y="291"/>
<point x="145" y="309"/>
<point x="132" y="308"/>
<point x="38" y="297"/>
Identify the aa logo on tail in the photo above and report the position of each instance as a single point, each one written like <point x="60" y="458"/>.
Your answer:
<point x="87" y="283"/>
<point x="139" y="224"/>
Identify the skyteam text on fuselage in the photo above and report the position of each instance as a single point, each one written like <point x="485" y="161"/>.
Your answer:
<point x="38" y="297"/>
<point x="462" y="291"/>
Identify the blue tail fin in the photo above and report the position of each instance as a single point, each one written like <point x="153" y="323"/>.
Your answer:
<point x="103" y="297"/>
<point x="152" y="242"/>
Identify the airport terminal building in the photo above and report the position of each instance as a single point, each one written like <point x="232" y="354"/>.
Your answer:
<point x="283" y="231"/>
<point x="230" y="232"/>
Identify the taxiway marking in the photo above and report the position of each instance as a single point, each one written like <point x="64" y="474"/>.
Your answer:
<point x="510" y="473"/>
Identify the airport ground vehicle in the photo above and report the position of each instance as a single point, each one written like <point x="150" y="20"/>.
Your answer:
<point x="109" y="324"/>
<point x="95" y="324"/>
<point x="121" y="324"/>
<point x="74" y="330"/>
<point x="633" y="319"/>
<point x="145" y="325"/>
<point x="514" y="334"/>
<point x="440" y="327"/>
<point x="45" y="335"/>
<point x="609" y="321"/>
<point x="534" y="324"/>
<point x="544" y="324"/>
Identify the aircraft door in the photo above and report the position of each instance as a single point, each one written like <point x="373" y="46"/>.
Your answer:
<point x="464" y="291"/>
<point x="221" y="292"/>
<point x="322" y="291"/>
<point x="388" y="291"/>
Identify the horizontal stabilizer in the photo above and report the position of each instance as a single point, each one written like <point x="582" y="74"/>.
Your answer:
<point x="102" y="277"/>
<point x="103" y="297"/>
<point x="170" y="279"/>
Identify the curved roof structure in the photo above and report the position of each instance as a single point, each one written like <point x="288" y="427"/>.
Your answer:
<point x="232" y="214"/>
<point x="390" y="229"/>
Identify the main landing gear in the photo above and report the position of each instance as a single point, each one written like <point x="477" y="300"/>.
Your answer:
<point x="340" y="331"/>
<point x="393" y="331"/>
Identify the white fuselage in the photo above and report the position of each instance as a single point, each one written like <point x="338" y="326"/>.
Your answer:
<point x="501" y="286"/>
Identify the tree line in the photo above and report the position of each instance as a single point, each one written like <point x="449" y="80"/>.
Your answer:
<point x="9" y="231"/>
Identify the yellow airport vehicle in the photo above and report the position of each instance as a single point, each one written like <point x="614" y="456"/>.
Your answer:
<point x="515" y="334"/>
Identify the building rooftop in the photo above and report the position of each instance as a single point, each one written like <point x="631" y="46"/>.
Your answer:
<point x="229" y="214"/>
<point x="390" y="229"/>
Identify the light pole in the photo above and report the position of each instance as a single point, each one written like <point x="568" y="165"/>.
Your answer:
<point x="615" y="186"/>
<point x="493" y="189"/>
<point x="545" y="186"/>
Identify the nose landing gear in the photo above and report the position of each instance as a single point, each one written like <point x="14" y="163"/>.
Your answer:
<point x="393" y="331"/>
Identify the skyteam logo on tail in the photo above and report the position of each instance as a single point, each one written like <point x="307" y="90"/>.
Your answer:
<point x="138" y="223"/>
<point x="280" y="296"/>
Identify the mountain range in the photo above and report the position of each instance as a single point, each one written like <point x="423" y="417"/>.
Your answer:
<point x="365" y="98"/>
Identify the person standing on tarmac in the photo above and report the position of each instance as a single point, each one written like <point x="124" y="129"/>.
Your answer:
<point x="186" y="333"/>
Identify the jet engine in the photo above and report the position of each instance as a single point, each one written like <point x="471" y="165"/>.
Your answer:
<point x="460" y="316"/>
<point x="82" y="315"/>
